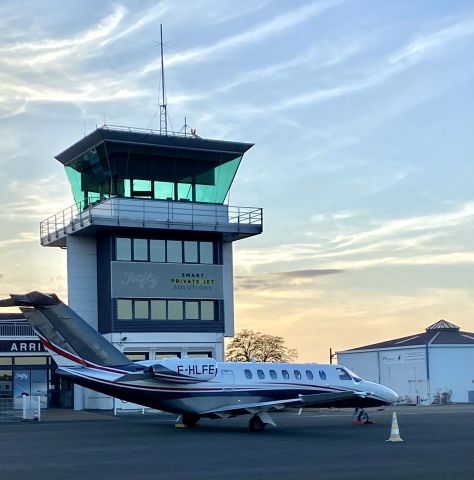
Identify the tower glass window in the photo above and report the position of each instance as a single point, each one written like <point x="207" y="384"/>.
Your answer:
<point x="175" y="310"/>
<point x="140" y="250"/>
<point x="141" y="309"/>
<point x="124" y="309"/>
<point x="206" y="252"/>
<point x="207" y="310"/>
<point x="157" y="251"/>
<point x="158" y="309"/>
<point x="124" y="249"/>
<point x="174" y="251"/>
<point x="190" y="252"/>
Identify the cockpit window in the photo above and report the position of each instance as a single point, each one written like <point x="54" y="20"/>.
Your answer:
<point x="322" y="374"/>
<point x="355" y="377"/>
<point x="343" y="375"/>
<point x="261" y="374"/>
<point x="285" y="374"/>
<point x="248" y="374"/>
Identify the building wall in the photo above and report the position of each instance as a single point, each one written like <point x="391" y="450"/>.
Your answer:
<point x="228" y="287"/>
<point x="452" y="369"/>
<point x="82" y="277"/>
<point x="364" y="364"/>
<point x="402" y="369"/>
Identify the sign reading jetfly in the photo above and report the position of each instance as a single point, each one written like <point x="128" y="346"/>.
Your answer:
<point x="145" y="280"/>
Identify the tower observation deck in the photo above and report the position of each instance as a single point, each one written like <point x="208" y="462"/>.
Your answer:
<point x="187" y="179"/>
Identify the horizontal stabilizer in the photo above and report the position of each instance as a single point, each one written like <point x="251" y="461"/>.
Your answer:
<point x="31" y="299"/>
<point x="68" y="337"/>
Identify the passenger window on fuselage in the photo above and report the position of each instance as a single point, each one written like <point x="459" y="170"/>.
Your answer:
<point x="343" y="375"/>
<point x="248" y="374"/>
<point x="309" y="374"/>
<point x="260" y="374"/>
<point x="322" y="374"/>
<point x="285" y="374"/>
<point x="297" y="374"/>
<point x="273" y="374"/>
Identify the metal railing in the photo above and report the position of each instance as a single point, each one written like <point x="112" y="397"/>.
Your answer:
<point x="144" y="211"/>
<point x="185" y="133"/>
<point x="16" y="329"/>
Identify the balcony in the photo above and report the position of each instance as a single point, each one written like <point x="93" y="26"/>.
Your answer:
<point x="16" y="328"/>
<point x="233" y="222"/>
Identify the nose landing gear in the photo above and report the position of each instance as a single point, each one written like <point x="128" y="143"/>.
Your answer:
<point x="362" y="416"/>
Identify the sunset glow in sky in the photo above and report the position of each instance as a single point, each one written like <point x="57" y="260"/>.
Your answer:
<point x="361" y="112"/>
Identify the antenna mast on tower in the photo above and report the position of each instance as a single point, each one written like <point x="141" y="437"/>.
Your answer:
<point x="163" y="113"/>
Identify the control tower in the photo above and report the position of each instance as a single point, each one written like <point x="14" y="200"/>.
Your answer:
<point x="149" y="241"/>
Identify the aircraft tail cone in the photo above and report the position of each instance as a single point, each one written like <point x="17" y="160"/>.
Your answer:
<point x="394" y="433"/>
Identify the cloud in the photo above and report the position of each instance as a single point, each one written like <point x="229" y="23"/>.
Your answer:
<point x="403" y="241"/>
<point x="407" y="225"/>
<point x="34" y="205"/>
<point x="422" y="46"/>
<point x="282" y="280"/>
<point x="22" y="237"/>
<point x="406" y="57"/>
<point x="260" y="32"/>
<point x="46" y="51"/>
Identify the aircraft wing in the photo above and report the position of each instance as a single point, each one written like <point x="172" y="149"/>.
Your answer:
<point x="317" y="399"/>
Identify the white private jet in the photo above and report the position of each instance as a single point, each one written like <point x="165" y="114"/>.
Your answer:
<point x="192" y="388"/>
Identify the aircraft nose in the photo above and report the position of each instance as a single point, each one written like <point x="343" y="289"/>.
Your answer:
<point x="391" y="395"/>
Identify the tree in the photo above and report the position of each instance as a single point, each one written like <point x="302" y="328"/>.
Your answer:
<point x="249" y="346"/>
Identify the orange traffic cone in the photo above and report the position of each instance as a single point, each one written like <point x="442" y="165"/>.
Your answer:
<point x="394" y="433"/>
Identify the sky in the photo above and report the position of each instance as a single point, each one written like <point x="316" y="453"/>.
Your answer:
<point x="361" y="112"/>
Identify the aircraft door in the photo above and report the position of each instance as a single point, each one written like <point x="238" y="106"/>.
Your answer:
<point x="228" y="379"/>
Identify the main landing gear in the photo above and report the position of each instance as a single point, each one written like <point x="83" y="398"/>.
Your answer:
<point x="256" y="424"/>
<point x="259" y="421"/>
<point x="188" y="420"/>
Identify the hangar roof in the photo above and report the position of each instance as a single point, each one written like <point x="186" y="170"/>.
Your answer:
<point x="440" y="333"/>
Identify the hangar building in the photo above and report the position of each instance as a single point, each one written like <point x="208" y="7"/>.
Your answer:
<point x="435" y="366"/>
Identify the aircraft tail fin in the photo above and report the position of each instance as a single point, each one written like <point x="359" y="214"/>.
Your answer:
<point x="69" y="338"/>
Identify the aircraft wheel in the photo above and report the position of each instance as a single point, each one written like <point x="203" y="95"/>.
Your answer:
<point x="363" y="416"/>
<point x="190" y="420"/>
<point x="256" y="424"/>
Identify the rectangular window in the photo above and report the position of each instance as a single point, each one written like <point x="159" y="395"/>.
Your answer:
<point x="124" y="309"/>
<point x="157" y="251"/>
<point x="136" y="356"/>
<point x="6" y="390"/>
<point x="206" y="252"/>
<point x="5" y="360"/>
<point x="199" y="355"/>
<point x="31" y="360"/>
<point x="123" y="249"/>
<point x="162" y="355"/>
<point x="174" y="251"/>
<point x="191" y="252"/>
<point x="141" y="310"/>
<point x="207" y="310"/>
<point x="140" y="250"/>
<point x="158" y="309"/>
<point x="175" y="310"/>
<point x="191" y="310"/>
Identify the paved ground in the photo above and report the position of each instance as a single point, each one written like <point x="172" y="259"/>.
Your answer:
<point x="439" y="444"/>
